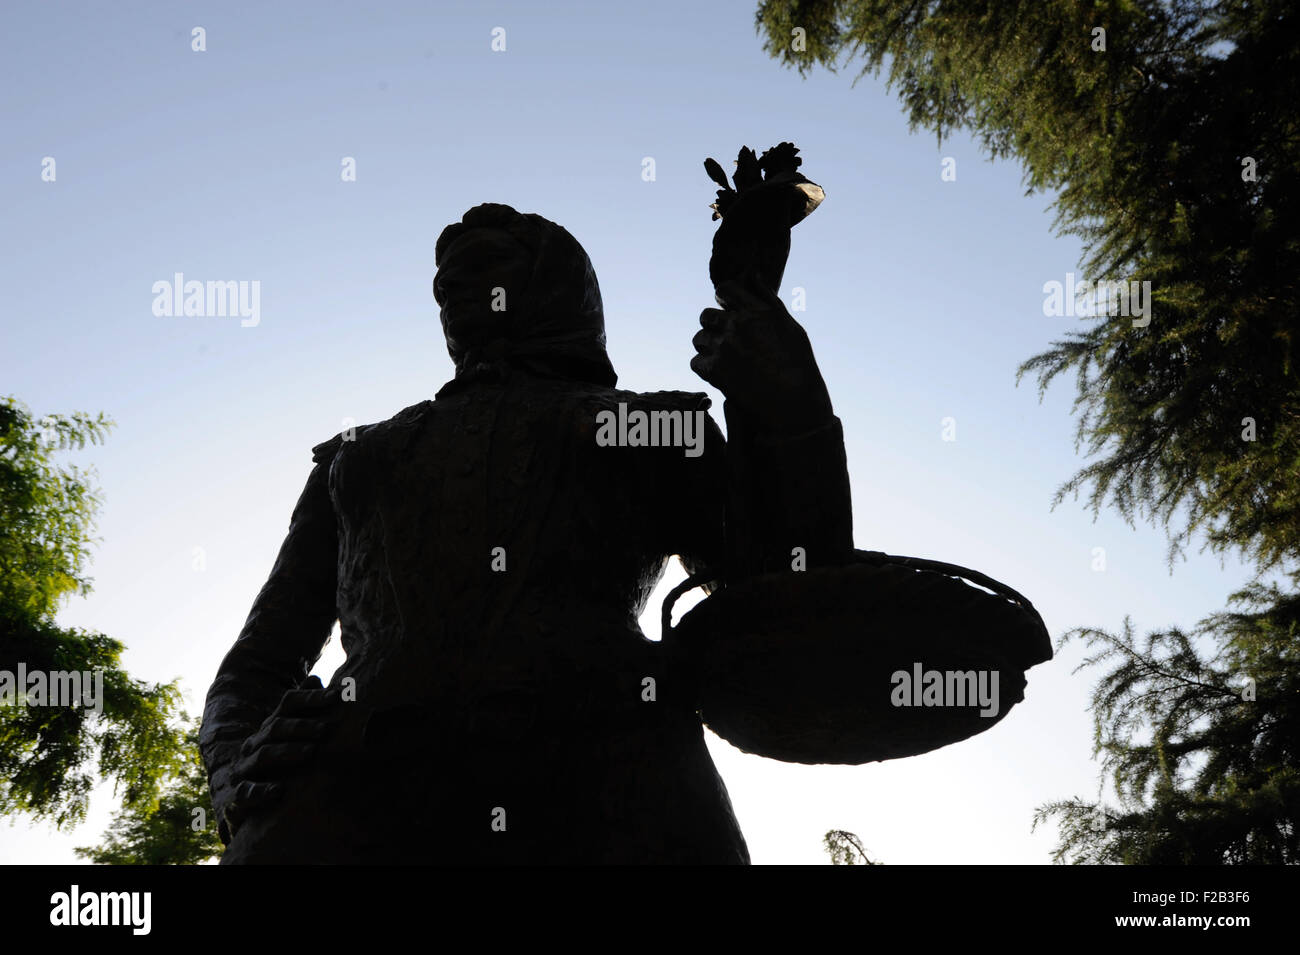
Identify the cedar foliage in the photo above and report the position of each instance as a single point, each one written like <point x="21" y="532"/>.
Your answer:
<point x="1170" y="147"/>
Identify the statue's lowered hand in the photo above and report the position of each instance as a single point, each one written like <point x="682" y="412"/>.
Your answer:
<point x="287" y="740"/>
<point x="755" y="353"/>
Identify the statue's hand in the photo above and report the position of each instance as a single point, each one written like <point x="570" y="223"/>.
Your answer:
<point x="755" y="353"/>
<point x="754" y="235"/>
<point x="286" y="740"/>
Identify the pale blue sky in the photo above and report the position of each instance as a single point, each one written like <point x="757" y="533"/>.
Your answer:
<point x="922" y="298"/>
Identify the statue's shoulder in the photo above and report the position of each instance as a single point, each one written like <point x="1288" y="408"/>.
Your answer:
<point x="657" y="400"/>
<point x="409" y="417"/>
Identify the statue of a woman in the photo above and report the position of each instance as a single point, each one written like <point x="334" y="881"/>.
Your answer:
<point x="488" y="558"/>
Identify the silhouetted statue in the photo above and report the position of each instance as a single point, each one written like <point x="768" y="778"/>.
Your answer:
<point x="487" y="555"/>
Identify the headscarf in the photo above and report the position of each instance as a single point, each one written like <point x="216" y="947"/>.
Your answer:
<point x="559" y="329"/>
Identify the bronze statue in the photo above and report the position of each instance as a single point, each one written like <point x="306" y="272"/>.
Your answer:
<point x="488" y="553"/>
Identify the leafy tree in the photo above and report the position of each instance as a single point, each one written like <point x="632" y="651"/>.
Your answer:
<point x="1145" y="143"/>
<point x="182" y="830"/>
<point x="1167" y="132"/>
<point x="1204" y="754"/>
<point x="845" y="848"/>
<point x="47" y="752"/>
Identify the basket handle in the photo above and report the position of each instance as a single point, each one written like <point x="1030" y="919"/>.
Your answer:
<point x="873" y="557"/>
<point x="666" y="614"/>
<point x="952" y="570"/>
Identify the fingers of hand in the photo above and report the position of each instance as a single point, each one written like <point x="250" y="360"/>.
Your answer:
<point x="715" y="319"/>
<point x="704" y="367"/>
<point x="306" y="701"/>
<point x="247" y="798"/>
<point x="711" y="341"/>
<point x="249" y="795"/>
<point x="285" y="730"/>
<point x="706" y="342"/>
<point x="272" y="760"/>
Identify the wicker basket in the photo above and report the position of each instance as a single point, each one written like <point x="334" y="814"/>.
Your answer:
<point x="804" y="666"/>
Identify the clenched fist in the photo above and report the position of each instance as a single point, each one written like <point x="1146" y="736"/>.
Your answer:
<point x="285" y="742"/>
<point x="755" y="353"/>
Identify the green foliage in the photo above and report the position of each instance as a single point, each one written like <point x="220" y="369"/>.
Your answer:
<point x="1143" y="144"/>
<point x="845" y="848"/>
<point x="46" y="513"/>
<point x="1206" y="775"/>
<point x="171" y="834"/>
<point x="1171" y="153"/>
<point x="47" y="753"/>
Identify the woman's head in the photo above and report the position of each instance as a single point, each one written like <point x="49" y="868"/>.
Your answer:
<point x="516" y="285"/>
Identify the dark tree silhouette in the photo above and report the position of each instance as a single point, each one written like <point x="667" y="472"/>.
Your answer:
<point x="1167" y="132"/>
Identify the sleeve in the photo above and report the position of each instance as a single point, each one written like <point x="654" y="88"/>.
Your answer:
<point x="285" y="632"/>
<point x="786" y="491"/>
<point x="755" y="496"/>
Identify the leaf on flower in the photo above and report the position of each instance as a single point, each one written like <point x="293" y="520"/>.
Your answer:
<point x="715" y="172"/>
<point x="747" y="174"/>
